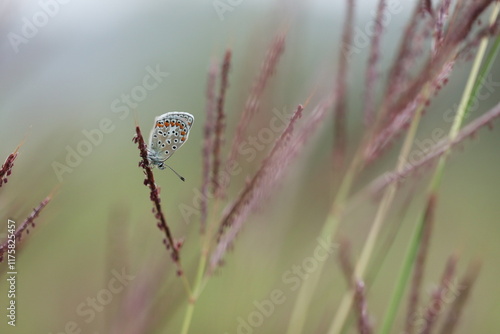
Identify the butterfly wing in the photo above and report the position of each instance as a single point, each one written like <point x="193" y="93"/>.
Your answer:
<point x="170" y="132"/>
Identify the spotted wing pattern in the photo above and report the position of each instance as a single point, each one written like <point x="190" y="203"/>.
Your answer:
<point x="170" y="132"/>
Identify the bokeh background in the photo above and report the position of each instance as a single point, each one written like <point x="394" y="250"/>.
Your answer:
<point x="64" y="80"/>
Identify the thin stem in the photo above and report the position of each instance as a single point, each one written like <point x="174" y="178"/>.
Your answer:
<point x="388" y="196"/>
<point x="404" y="275"/>
<point x="306" y="291"/>
<point x="337" y="209"/>
<point x="202" y="264"/>
<point x="472" y="81"/>
<point x="383" y="209"/>
<point x="154" y="196"/>
<point x="488" y="62"/>
<point x="436" y="181"/>
<point x="188" y="317"/>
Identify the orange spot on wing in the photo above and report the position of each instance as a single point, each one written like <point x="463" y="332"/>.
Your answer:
<point x="183" y="133"/>
<point x="183" y="138"/>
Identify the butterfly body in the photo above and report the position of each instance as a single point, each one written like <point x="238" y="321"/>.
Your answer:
<point x="169" y="133"/>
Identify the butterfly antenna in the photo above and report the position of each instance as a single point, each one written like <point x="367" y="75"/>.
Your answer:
<point x="180" y="176"/>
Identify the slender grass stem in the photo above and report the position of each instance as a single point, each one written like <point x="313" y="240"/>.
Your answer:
<point x="383" y="209"/>
<point x="188" y="317"/>
<point x="469" y="93"/>
<point x="307" y="289"/>
<point x="299" y="313"/>
<point x="202" y="264"/>
<point x="404" y="276"/>
<point x="472" y="85"/>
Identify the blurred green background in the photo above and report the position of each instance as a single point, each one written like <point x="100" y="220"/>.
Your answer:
<point x="66" y="78"/>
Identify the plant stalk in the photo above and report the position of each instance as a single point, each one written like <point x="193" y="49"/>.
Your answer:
<point x="470" y="92"/>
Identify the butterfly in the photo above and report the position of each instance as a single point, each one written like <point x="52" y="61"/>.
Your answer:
<point x="169" y="133"/>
